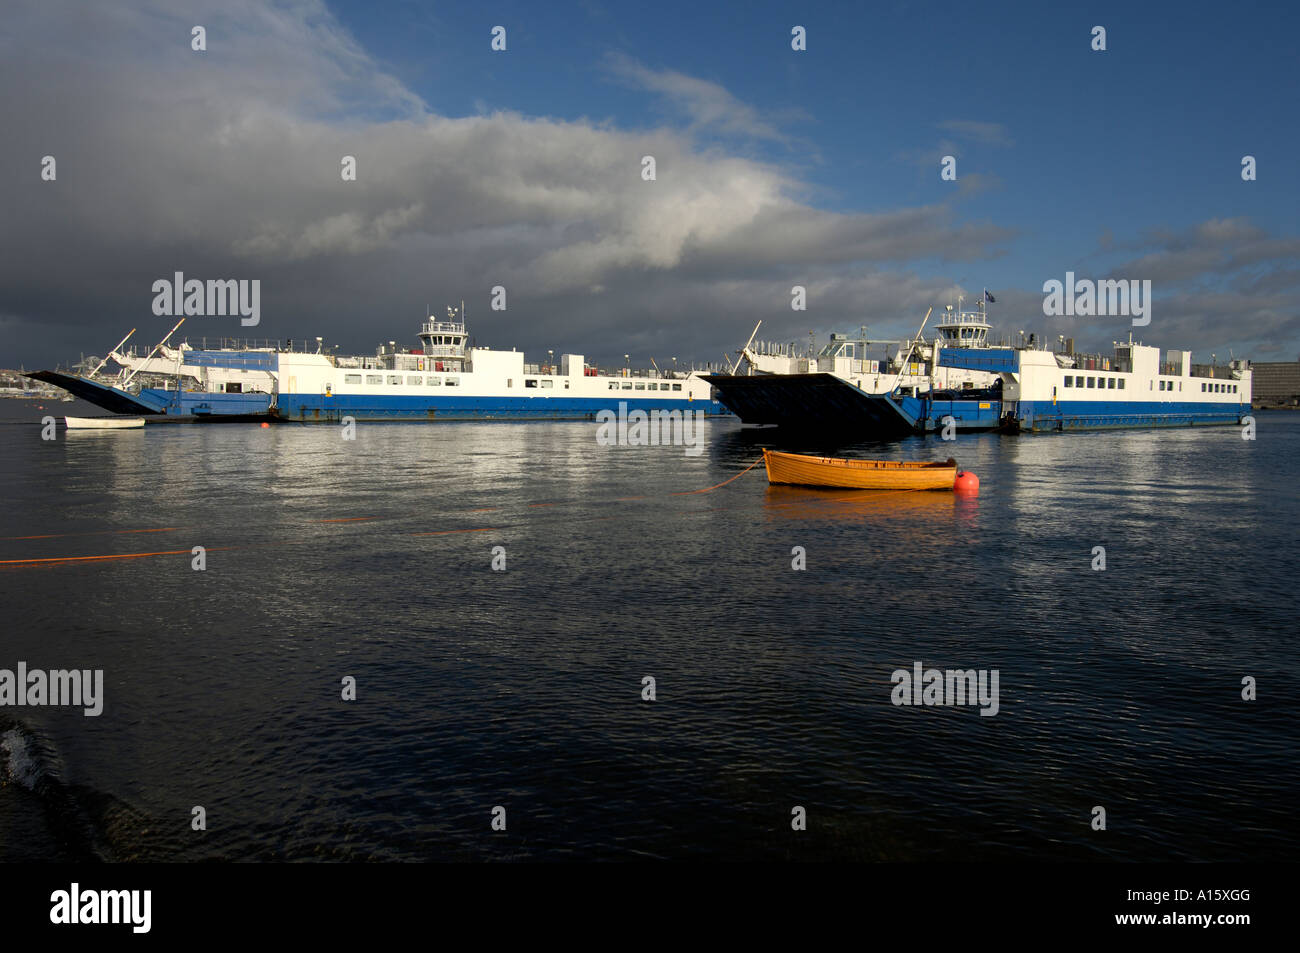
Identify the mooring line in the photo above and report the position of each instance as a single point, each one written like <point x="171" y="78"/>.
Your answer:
<point x="723" y="483"/>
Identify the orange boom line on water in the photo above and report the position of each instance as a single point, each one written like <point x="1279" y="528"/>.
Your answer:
<point x="346" y="519"/>
<point x="81" y="559"/>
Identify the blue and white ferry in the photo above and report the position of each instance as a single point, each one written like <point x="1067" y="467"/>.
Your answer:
<point x="960" y="381"/>
<point x="444" y="379"/>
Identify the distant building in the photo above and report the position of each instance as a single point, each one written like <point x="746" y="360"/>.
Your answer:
<point x="1276" y="380"/>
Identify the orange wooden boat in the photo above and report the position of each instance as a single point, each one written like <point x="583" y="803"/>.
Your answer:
<point x="801" y="470"/>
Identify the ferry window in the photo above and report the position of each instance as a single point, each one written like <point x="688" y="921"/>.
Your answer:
<point x="1110" y="383"/>
<point x="1068" y="380"/>
<point x="1150" y="386"/>
<point x="352" y="378"/>
<point x="1234" y="388"/>
<point x="394" y="378"/>
<point x="627" y="385"/>
<point x="419" y="381"/>
<point x="510" y="382"/>
<point x="677" y="387"/>
<point x="530" y="383"/>
<point x="1078" y="382"/>
<point x="1202" y="387"/>
<point x="453" y="381"/>
<point x="435" y="381"/>
<point x="640" y="386"/>
<point x="1180" y="385"/>
<point x="613" y="385"/>
<point x="374" y="378"/>
<point x="1121" y="383"/>
<point x="546" y="384"/>
<point x="1092" y="382"/>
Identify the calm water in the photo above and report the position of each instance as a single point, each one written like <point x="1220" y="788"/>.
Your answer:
<point x="523" y="688"/>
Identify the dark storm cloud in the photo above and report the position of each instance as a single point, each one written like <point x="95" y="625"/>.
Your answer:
<point x="226" y="163"/>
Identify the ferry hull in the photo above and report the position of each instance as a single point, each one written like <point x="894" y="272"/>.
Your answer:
<point x="1044" y="417"/>
<point x="310" y="408"/>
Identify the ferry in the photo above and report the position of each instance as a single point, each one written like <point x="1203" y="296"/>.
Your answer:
<point x="771" y="384"/>
<point x="960" y="382"/>
<point x="446" y="378"/>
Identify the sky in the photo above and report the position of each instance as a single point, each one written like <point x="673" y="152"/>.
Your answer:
<point x="522" y="168"/>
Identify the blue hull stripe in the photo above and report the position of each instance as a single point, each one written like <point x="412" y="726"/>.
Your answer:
<point x="311" y="407"/>
<point x="1106" y="414"/>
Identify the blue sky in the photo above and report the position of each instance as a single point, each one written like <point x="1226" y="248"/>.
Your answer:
<point x="1149" y="133"/>
<point x="820" y="167"/>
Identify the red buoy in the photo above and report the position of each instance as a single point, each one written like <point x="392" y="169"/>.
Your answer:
<point x="265" y="424"/>
<point x="966" y="482"/>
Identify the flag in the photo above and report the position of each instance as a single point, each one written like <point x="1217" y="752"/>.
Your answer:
<point x="989" y="298"/>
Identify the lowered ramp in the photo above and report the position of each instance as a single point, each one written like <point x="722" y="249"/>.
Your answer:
<point x="110" y="398"/>
<point x="810" y="402"/>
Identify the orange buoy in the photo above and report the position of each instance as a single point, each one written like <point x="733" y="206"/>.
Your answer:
<point x="966" y="482"/>
<point x="265" y="424"/>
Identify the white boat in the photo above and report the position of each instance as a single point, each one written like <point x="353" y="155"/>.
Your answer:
<point x="103" y="423"/>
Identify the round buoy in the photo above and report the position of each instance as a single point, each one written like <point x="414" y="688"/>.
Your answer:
<point x="966" y="482"/>
<point x="265" y="424"/>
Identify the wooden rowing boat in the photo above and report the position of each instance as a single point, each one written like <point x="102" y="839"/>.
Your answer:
<point x="795" y="468"/>
<point x="103" y="423"/>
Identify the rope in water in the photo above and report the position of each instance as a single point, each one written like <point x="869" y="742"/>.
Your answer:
<point x="723" y="483"/>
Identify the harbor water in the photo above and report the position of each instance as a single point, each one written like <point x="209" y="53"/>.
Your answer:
<point x="524" y="686"/>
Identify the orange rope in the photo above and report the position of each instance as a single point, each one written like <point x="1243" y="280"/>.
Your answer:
<point x="723" y="483"/>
